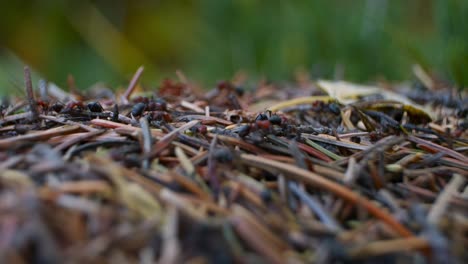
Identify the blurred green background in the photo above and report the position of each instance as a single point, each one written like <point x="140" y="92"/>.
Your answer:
<point x="211" y="40"/>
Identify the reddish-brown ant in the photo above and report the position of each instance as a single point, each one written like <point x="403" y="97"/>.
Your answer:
<point x="160" y="116"/>
<point x="43" y="104"/>
<point x="157" y="105"/>
<point x="263" y="124"/>
<point x="141" y="99"/>
<point x="223" y="85"/>
<point x="160" y="104"/>
<point x="170" y="88"/>
<point x="72" y="105"/>
<point x="201" y="129"/>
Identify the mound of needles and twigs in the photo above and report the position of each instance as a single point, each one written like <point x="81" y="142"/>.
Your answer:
<point x="313" y="172"/>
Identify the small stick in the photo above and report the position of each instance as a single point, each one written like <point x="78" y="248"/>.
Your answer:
<point x="248" y="233"/>
<point x="260" y="227"/>
<point x="68" y="143"/>
<point x="182" y="77"/>
<point x="353" y="134"/>
<point x="190" y="185"/>
<point x="380" y="146"/>
<point x="115" y="113"/>
<point x="147" y="141"/>
<point x="132" y="85"/>
<point x="62" y="96"/>
<point x="315" y="206"/>
<point x="14" y="108"/>
<point x="237" y="188"/>
<point x="186" y="148"/>
<point x="238" y="142"/>
<point x="321" y="182"/>
<point x="168" y="138"/>
<point x="68" y="122"/>
<point x="332" y="141"/>
<point x="71" y="84"/>
<point x="177" y="200"/>
<point x="171" y="246"/>
<point x="351" y="172"/>
<point x="316" y="153"/>
<point x="439" y="148"/>
<point x="106" y="136"/>
<point x="30" y="94"/>
<point x="299" y="101"/>
<point x="378" y="248"/>
<point x="323" y="150"/>
<point x="214" y="181"/>
<point x="192" y="106"/>
<point x="15" y="117"/>
<point x="83" y="187"/>
<point x="442" y="202"/>
<point x="10" y="162"/>
<point x="107" y="123"/>
<point x="38" y="136"/>
<point x="209" y="206"/>
<point x="126" y="120"/>
<point x="205" y="118"/>
<point x="185" y="162"/>
<point x="43" y="90"/>
<point x="133" y="131"/>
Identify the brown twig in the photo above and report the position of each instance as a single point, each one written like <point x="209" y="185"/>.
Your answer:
<point x="441" y="204"/>
<point x="321" y="182"/>
<point x="42" y="135"/>
<point x="166" y="140"/>
<point x="132" y="85"/>
<point x="30" y="94"/>
<point x="379" y="248"/>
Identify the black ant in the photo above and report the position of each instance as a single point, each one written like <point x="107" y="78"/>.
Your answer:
<point x="275" y="119"/>
<point x="57" y="107"/>
<point x="223" y="155"/>
<point x="145" y="104"/>
<point x="95" y="107"/>
<point x="138" y="109"/>
<point x="265" y="121"/>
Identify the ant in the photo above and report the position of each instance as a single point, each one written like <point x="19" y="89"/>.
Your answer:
<point x="223" y="155"/>
<point x="43" y="104"/>
<point x="95" y="107"/>
<point x="264" y="122"/>
<point x="160" y="116"/>
<point x="138" y="109"/>
<point x="200" y="129"/>
<point x="157" y="105"/>
<point x="57" y="107"/>
<point x="145" y="104"/>
<point x="73" y="105"/>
